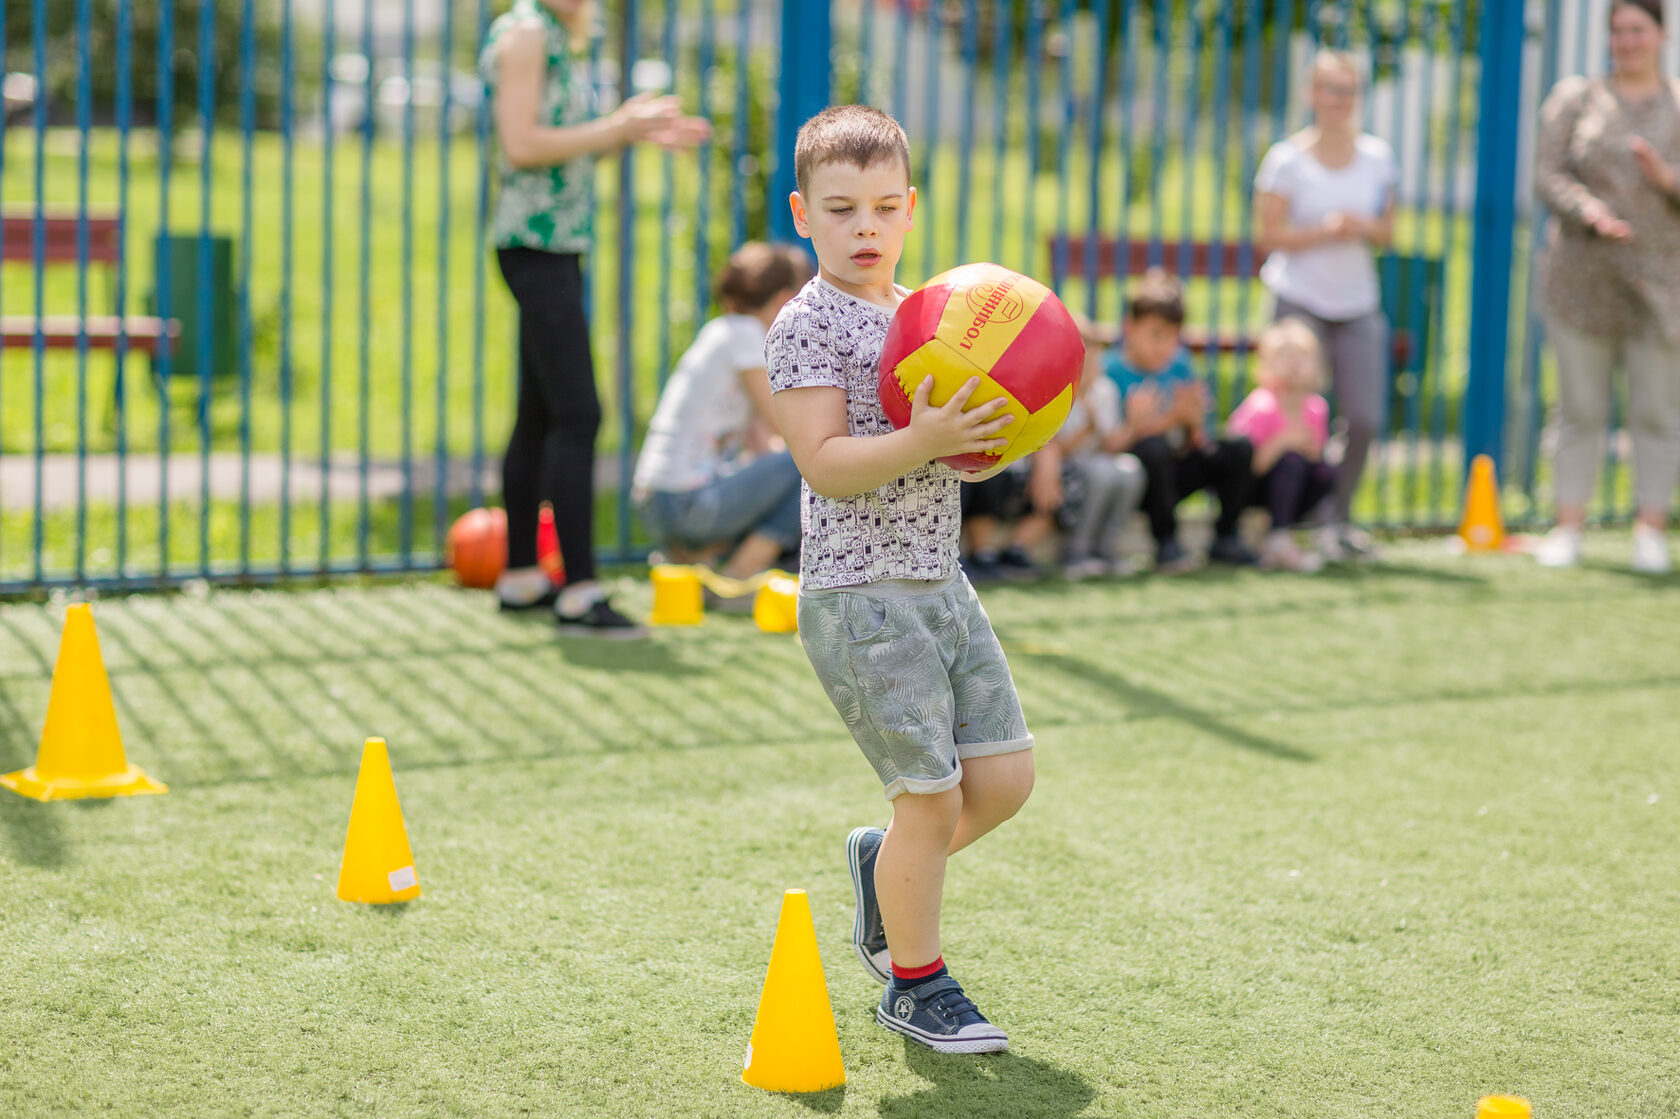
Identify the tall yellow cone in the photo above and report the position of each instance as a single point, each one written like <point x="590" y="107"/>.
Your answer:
<point x="378" y="865"/>
<point x="81" y="751"/>
<point x="1482" y="528"/>
<point x="794" y="1046"/>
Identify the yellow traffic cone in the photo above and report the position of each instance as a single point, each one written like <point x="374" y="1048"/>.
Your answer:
<point x="776" y="609"/>
<point x="378" y="865"/>
<point x="81" y="751"/>
<point x="1502" y="1107"/>
<point x="1482" y="529"/>
<point x="794" y="1046"/>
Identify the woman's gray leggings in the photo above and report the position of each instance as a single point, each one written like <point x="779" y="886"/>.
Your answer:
<point x="1586" y="363"/>
<point x="1357" y="353"/>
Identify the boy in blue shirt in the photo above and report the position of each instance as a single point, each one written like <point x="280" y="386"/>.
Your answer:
<point x="1166" y="411"/>
<point x="895" y="633"/>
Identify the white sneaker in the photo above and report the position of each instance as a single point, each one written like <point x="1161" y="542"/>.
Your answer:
<point x="1079" y="570"/>
<point x="1650" y="550"/>
<point x="1330" y="544"/>
<point x="1281" y="553"/>
<point x="1561" y="547"/>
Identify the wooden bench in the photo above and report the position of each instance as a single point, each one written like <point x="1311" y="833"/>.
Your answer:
<point x="60" y="234"/>
<point x="1411" y="286"/>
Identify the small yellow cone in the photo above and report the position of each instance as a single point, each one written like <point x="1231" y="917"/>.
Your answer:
<point x="776" y="609"/>
<point x="794" y="1046"/>
<point x="1482" y="529"/>
<point x="378" y="865"/>
<point x="81" y="751"/>
<point x="1502" y="1107"/>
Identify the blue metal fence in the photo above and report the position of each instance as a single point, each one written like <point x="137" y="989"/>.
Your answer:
<point x="296" y="415"/>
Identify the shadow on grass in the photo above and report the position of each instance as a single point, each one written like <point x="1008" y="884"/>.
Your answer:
<point x="1154" y="704"/>
<point x="1002" y="1086"/>
<point x="827" y="1102"/>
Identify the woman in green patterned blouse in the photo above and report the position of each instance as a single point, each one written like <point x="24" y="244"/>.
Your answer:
<point x="550" y="139"/>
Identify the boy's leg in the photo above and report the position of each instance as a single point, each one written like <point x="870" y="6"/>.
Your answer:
<point x="1231" y="463"/>
<point x="910" y="873"/>
<point x="993" y="789"/>
<point x="1161" y="486"/>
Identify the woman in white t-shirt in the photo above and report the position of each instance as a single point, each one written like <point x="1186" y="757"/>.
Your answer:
<point x="708" y="474"/>
<point x="1324" y="200"/>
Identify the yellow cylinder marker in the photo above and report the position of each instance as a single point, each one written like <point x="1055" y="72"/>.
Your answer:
<point x="1502" y="1107"/>
<point x="794" y="1046"/>
<point x="776" y="609"/>
<point x="676" y="596"/>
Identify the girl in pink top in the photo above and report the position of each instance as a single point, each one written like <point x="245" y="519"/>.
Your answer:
<point x="1287" y="422"/>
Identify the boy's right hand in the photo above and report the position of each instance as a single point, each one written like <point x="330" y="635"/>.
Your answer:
<point x="953" y="428"/>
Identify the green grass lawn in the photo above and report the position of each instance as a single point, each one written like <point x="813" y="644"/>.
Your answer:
<point x="1369" y="844"/>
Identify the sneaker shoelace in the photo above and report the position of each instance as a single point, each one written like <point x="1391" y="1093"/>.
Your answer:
<point x="954" y="1006"/>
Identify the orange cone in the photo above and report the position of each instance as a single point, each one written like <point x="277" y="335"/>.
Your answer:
<point x="1482" y="528"/>
<point x="81" y="751"/>
<point x="378" y="864"/>
<point x="794" y="1045"/>
<point x="548" y="546"/>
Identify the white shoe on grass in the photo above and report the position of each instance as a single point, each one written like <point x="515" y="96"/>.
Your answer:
<point x="1650" y="550"/>
<point x="1560" y="547"/>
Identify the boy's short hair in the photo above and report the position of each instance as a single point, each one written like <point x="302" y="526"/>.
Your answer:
<point x="756" y="272"/>
<point x="860" y="135"/>
<point x="1158" y="294"/>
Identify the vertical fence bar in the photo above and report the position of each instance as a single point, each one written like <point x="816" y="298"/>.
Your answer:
<point x="1189" y="129"/>
<point x="84" y="126"/>
<point x="1035" y="79"/>
<point x="1449" y="249"/>
<point x="667" y="174"/>
<point x="862" y="92"/>
<point x="165" y="263"/>
<point x="1064" y="141"/>
<point x="1094" y="147"/>
<point x="247" y="129"/>
<point x="1397" y="128"/>
<point x="329" y="131"/>
<point x="707" y="153"/>
<point x="1496" y="187"/>
<point x="406" y="528"/>
<point x="445" y="252"/>
<point x="930" y="141"/>
<point x="901" y="63"/>
<point x="1420" y="254"/>
<point x="743" y="111"/>
<point x="630" y="50"/>
<point x="1124" y="196"/>
<point x="288" y="63"/>
<point x="1158" y="128"/>
<point x="1253" y="33"/>
<point x="38" y="33"/>
<point x="1222" y="66"/>
<point x="365" y="288"/>
<point x="1539" y="222"/>
<point x="206" y="326"/>
<point x="119" y="386"/>
<point x="481" y="252"/>
<point x="965" y="153"/>
<point x="1003" y="59"/>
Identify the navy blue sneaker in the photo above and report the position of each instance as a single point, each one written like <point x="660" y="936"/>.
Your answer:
<point x="869" y="936"/>
<point x="941" y="1017"/>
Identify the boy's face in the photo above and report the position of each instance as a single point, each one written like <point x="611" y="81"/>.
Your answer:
<point x="856" y="218"/>
<point x="1150" y="343"/>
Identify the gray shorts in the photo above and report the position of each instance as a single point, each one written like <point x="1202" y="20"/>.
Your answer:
<point x="917" y="674"/>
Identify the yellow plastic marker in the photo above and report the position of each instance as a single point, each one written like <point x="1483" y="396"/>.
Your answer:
<point x="81" y="751"/>
<point x="794" y="1045"/>
<point x="1502" y="1107"/>
<point x="676" y="596"/>
<point x="378" y="864"/>
<point x="776" y="609"/>
<point x="1482" y="528"/>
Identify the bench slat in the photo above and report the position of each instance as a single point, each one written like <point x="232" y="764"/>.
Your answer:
<point x="17" y="237"/>
<point x="64" y="332"/>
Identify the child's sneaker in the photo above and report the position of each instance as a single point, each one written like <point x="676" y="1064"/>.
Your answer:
<point x="1281" y="553"/>
<point x="869" y="935"/>
<point x="1560" y="547"/>
<point x="1231" y="551"/>
<point x="1014" y="563"/>
<point x="941" y="1017"/>
<point x="1171" y="558"/>
<point x="599" y="619"/>
<point x="1079" y="570"/>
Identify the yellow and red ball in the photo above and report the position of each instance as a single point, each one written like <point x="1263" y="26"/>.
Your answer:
<point x="987" y="321"/>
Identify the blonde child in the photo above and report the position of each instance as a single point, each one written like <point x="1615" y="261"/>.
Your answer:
<point x="1102" y="485"/>
<point x="1287" y="421"/>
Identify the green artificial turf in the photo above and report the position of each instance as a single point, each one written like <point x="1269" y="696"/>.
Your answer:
<point x="1364" y="845"/>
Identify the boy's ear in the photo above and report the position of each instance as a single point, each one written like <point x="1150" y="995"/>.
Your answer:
<point x="797" y="205"/>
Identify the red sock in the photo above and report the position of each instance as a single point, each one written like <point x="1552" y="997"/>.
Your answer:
<point x="912" y="976"/>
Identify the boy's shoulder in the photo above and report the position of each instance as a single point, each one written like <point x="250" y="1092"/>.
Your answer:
<point x="810" y="313"/>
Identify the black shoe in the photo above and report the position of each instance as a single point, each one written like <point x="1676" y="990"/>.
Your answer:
<point x="1014" y="563"/>
<point x="1170" y="558"/>
<point x="981" y="568"/>
<point x="546" y="599"/>
<point x="601" y="620"/>
<point x="1230" y="550"/>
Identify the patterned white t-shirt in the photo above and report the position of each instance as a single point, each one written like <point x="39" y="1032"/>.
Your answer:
<point x="908" y="528"/>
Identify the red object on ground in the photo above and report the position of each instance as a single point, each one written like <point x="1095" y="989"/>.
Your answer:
<point x="476" y="548"/>
<point x="548" y="546"/>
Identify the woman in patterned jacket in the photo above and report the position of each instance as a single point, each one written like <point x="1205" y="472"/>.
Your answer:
<point x="1609" y="150"/>
<point x="550" y="139"/>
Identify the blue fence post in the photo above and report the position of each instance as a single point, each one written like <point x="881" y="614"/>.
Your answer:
<point x="1495" y="226"/>
<point x="807" y="35"/>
